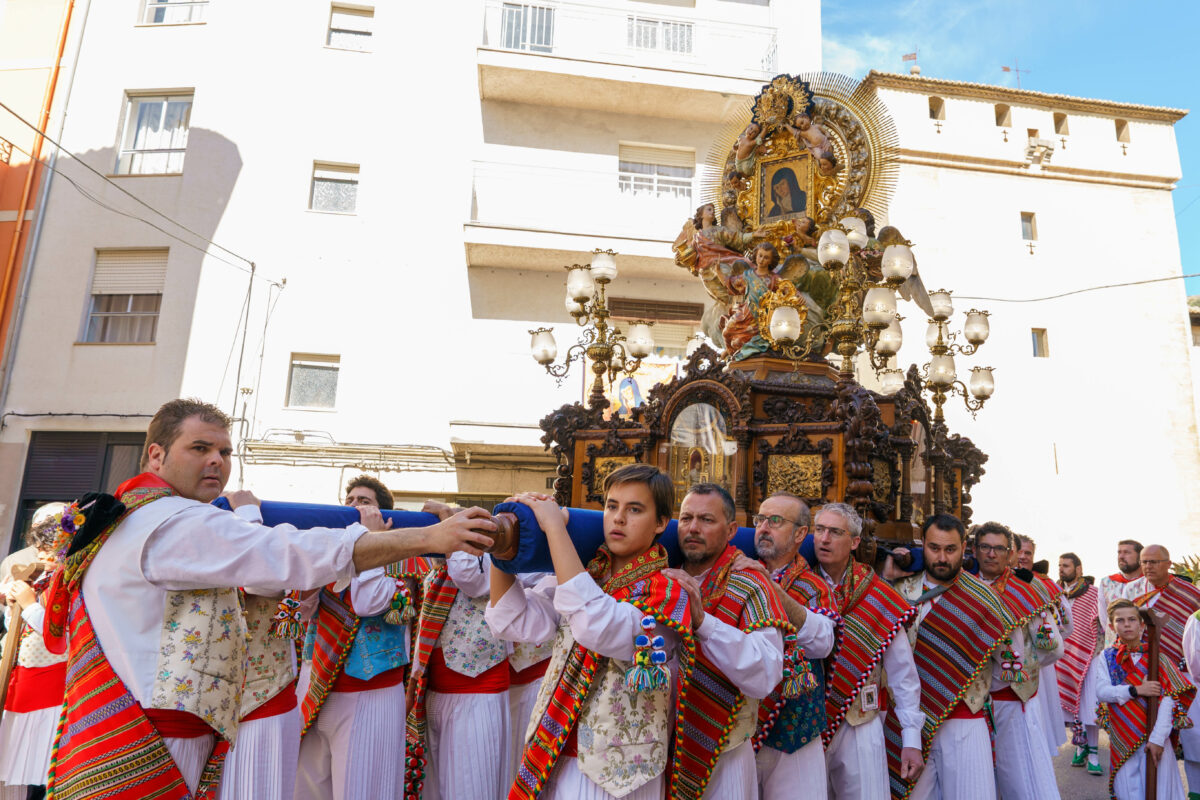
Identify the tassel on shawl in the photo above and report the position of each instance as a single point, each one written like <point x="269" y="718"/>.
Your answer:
<point x="287" y="623"/>
<point x="1011" y="668"/>
<point x="1044" y="638"/>
<point x="649" y="671"/>
<point x="798" y="678"/>
<point x="400" y="610"/>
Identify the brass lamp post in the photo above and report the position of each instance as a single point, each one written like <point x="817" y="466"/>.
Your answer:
<point x="611" y="352"/>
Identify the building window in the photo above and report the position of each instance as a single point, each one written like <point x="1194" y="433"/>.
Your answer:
<point x="126" y="295"/>
<point x="312" y="381"/>
<point x="155" y="134"/>
<point x="173" y="12"/>
<point x="1060" y="124"/>
<point x="659" y="171"/>
<point x="1003" y="116"/>
<point x="659" y="34"/>
<point x="1122" y="130"/>
<point x="1028" y="226"/>
<point x="937" y="108"/>
<point x="334" y="188"/>
<point x="1041" y="343"/>
<point x="526" y="27"/>
<point x="350" y="27"/>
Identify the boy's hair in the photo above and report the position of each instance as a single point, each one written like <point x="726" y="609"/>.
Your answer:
<point x="661" y="487"/>
<point x="1118" y="604"/>
<point x="164" y="428"/>
<point x="383" y="495"/>
<point x="720" y="491"/>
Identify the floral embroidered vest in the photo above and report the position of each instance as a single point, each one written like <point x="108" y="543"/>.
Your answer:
<point x="270" y="660"/>
<point x="622" y="733"/>
<point x="379" y="646"/>
<point x="525" y="655"/>
<point x="466" y="640"/>
<point x="32" y="652"/>
<point x="202" y="657"/>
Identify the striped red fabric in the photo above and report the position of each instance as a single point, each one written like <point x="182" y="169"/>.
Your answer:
<point x="337" y="625"/>
<point x="1078" y="647"/>
<point x="1178" y="599"/>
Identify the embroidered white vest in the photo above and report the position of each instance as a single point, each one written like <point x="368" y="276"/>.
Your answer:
<point x="466" y="640"/>
<point x="524" y="656"/>
<point x="743" y="726"/>
<point x="32" y="652"/>
<point x="622" y="734"/>
<point x="270" y="661"/>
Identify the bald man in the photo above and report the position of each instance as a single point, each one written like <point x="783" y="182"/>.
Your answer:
<point x="1178" y="600"/>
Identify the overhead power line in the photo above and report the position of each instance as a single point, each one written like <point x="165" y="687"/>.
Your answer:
<point x="1079" y="291"/>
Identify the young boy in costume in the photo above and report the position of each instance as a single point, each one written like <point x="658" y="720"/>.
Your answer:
<point x="601" y="724"/>
<point x="1122" y="688"/>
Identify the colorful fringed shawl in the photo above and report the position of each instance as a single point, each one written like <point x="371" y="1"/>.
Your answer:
<point x="787" y="725"/>
<point x="1128" y="723"/>
<point x="1023" y="600"/>
<point x="872" y="614"/>
<point x="1080" y="646"/>
<point x="106" y="746"/>
<point x="1178" y="600"/>
<point x="336" y="625"/>
<point x="954" y="644"/>
<point x="744" y="600"/>
<point x="438" y="597"/>
<point x="1054" y="593"/>
<point x="642" y="584"/>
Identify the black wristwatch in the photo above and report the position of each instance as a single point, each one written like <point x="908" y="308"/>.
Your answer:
<point x="1133" y="692"/>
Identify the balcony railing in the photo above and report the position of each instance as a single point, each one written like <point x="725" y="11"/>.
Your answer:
<point x="578" y="201"/>
<point x="642" y="39"/>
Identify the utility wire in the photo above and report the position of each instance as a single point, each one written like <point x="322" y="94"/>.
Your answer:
<point x="118" y="186"/>
<point x="1079" y="291"/>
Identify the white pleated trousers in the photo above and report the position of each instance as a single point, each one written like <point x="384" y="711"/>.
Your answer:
<point x="469" y="746"/>
<point x="856" y="764"/>
<point x="792" y="776"/>
<point x="568" y="783"/>
<point x="1023" y="767"/>
<point x="521" y="702"/>
<point x="190" y="755"/>
<point x="734" y="774"/>
<point x="262" y="764"/>
<point x="1130" y="782"/>
<point x="959" y="766"/>
<point x="1189" y="739"/>
<point x="26" y="738"/>
<point x="355" y="749"/>
<point x="14" y="792"/>
<point x="1050" y="710"/>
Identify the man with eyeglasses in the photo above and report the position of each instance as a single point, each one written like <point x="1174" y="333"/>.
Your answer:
<point x="959" y="623"/>
<point x="791" y="758"/>
<point x="870" y="653"/>
<point x="1176" y="600"/>
<point x="1024" y="770"/>
<point x="740" y="627"/>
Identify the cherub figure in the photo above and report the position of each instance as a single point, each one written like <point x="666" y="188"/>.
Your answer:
<point x="912" y="289"/>
<point x="806" y="232"/>
<point x="811" y="135"/>
<point x="745" y="150"/>
<point x="827" y="163"/>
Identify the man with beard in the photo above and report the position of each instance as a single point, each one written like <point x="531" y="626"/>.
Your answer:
<point x="1024" y="770"/>
<point x="1112" y="587"/>
<point x="871" y="653"/>
<point x="1049" y="697"/>
<point x="1176" y="600"/>
<point x="740" y="627"/>
<point x="1080" y="647"/>
<point x="791" y="758"/>
<point x="959" y="623"/>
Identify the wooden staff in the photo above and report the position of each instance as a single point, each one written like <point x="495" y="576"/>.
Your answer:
<point x="1151" y="618"/>
<point x="12" y="639"/>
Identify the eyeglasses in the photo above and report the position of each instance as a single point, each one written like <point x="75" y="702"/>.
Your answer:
<point x="1152" y="562"/>
<point x="822" y="530"/>
<point x="774" y="522"/>
<point x="992" y="548"/>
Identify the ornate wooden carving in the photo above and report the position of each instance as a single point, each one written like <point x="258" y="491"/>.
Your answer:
<point x="796" y="464"/>
<point x="787" y="410"/>
<point x="614" y="452"/>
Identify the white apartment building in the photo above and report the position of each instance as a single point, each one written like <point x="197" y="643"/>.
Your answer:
<point x="421" y="176"/>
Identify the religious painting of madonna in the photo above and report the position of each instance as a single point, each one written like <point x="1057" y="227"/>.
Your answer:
<point x="784" y="188"/>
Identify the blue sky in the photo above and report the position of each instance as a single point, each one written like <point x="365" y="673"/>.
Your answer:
<point x="1088" y="48"/>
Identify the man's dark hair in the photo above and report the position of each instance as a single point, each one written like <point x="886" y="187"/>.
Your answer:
<point x="1020" y="540"/>
<point x="383" y="495"/>
<point x="1136" y="545"/>
<point x="662" y="489"/>
<point x="804" y="518"/>
<point x="722" y="492"/>
<point x="944" y="522"/>
<point x="164" y="428"/>
<point x="1074" y="559"/>
<point x="992" y="529"/>
<point x="1042" y="567"/>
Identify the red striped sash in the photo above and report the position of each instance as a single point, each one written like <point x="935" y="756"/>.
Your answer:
<point x="872" y="614"/>
<point x="1079" y="647"/>
<point x="1179" y="599"/>
<point x="337" y="625"/>
<point x="744" y="600"/>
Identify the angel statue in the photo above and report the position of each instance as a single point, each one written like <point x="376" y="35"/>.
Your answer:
<point x="913" y="289"/>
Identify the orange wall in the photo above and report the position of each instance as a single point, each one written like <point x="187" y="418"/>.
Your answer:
<point x="29" y="40"/>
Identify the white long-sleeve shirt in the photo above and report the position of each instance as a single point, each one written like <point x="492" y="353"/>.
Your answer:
<point x="1191" y="645"/>
<point x="599" y="622"/>
<point x="1109" y="692"/>
<point x="472" y="575"/>
<point x="903" y="682"/>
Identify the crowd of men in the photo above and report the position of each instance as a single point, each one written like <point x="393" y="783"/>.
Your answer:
<point x="163" y="647"/>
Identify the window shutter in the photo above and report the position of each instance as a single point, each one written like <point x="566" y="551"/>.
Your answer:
<point x="130" y="271"/>
<point x="649" y="154"/>
<point x="63" y="465"/>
